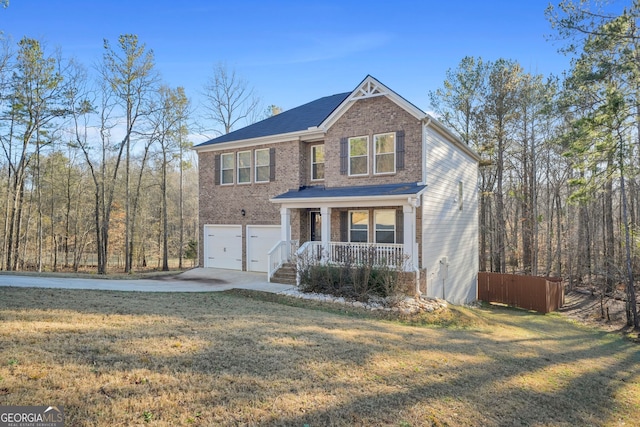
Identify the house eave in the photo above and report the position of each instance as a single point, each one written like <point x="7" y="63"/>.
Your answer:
<point x="310" y="134"/>
<point x="430" y="121"/>
<point x="337" y="202"/>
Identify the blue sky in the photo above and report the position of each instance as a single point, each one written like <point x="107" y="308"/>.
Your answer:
<point x="293" y="52"/>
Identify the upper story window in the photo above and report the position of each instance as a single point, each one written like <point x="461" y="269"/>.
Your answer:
<point x="244" y="167"/>
<point x="263" y="169"/>
<point x="226" y="170"/>
<point x="385" y="153"/>
<point x="358" y="226"/>
<point x="359" y="155"/>
<point x="317" y="162"/>
<point x="385" y="223"/>
<point x="460" y="195"/>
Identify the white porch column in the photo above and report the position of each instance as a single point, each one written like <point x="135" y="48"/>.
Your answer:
<point x="285" y="224"/>
<point x="409" y="235"/>
<point x="325" y="230"/>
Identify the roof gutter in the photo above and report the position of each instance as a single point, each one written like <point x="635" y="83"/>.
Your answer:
<point x="400" y="198"/>
<point x="308" y="134"/>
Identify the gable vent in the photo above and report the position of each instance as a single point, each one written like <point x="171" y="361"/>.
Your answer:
<point x="368" y="90"/>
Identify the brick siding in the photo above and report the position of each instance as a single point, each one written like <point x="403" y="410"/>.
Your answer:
<point x="369" y="117"/>
<point x="222" y="204"/>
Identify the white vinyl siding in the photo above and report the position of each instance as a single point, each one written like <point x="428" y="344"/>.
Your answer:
<point x="450" y="234"/>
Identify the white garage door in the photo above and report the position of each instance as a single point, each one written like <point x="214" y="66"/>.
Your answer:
<point x="223" y="246"/>
<point x="260" y="239"/>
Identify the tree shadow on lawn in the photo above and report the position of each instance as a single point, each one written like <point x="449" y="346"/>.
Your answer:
<point x="294" y="366"/>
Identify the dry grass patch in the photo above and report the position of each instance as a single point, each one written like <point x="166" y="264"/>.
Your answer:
<point x="238" y="358"/>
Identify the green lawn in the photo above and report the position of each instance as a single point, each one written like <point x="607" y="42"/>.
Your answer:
<point x="120" y="359"/>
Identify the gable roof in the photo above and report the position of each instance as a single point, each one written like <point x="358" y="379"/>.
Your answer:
<point x="311" y="120"/>
<point x="297" y="119"/>
<point x="371" y="87"/>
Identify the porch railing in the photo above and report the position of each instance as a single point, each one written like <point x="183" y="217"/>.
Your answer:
<point x="279" y="254"/>
<point x="388" y="254"/>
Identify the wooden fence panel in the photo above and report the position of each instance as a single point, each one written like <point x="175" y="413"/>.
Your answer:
<point x="529" y="292"/>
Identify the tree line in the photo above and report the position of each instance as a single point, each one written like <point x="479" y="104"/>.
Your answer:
<point x="95" y="162"/>
<point x="559" y="183"/>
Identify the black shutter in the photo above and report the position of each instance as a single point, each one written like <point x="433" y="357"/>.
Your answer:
<point x="272" y="164"/>
<point x="399" y="226"/>
<point x="217" y="170"/>
<point x="344" y="226"/>
<point x="344" y="156"/>
<point x="400" y="150"/>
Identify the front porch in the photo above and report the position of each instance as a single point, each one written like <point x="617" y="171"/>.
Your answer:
<point x="377" y="226"/>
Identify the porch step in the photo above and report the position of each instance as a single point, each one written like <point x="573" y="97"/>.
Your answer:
<point x="285" y="274"/>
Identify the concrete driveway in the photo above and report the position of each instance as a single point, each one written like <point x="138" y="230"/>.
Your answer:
<point x="194" y="280"/>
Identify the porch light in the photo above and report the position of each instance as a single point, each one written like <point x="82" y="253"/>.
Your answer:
<point x="243" y="212"/>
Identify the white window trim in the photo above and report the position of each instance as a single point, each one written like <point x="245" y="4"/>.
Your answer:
<point x="375" y="154"/>
<point x="256" y="165"/>
<point x="375" y="225"/>
<point x="222" y="169"/>
<point x="238" y="168"/>
<point x="316" y="163"/>
<point x="350" y="228"/>
<point x="349" y="154"/>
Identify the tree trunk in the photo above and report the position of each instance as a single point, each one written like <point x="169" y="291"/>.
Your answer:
<point x="165" y="219"/>
<point x="181" y="214"/>
<point x="631" y="308"/>
<point x="609" y="249"/>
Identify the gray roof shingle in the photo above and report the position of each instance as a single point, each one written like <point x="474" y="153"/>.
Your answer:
<point x="401" y="189"/>
<point x="297" y="119"/>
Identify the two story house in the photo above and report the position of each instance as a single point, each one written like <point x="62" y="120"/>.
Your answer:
<point x="342" y="174"/>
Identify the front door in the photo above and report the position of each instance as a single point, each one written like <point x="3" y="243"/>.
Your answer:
<point x="316" y="226"/>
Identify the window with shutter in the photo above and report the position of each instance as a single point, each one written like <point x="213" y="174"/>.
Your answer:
<point x="399" y="226"/>
<point x="244" y="167"/>
<point x="385" y="153"/>
<point x="216" y="170"/>
<point x="344" y="156"/>
<point x="272" y="164"/>
<point x="225" y="174"/>
<point x="263" y="161"/>
<point x="359" y="226"/>
<point x="400" y="150"/>
<point x="359" y="155"/>
<point x="385" y="226"/>
<point x="344" y="226"/>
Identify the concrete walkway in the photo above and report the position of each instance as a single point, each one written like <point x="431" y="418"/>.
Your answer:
<point x="194" y="280"/>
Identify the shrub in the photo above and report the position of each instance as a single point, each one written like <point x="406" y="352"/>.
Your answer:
<point x="352" y="280"/>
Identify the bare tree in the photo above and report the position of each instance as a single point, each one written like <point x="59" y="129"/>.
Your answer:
<point x="132" y="78"/>
<point x="229" y="100"/>
<point x="168" y="133"/>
